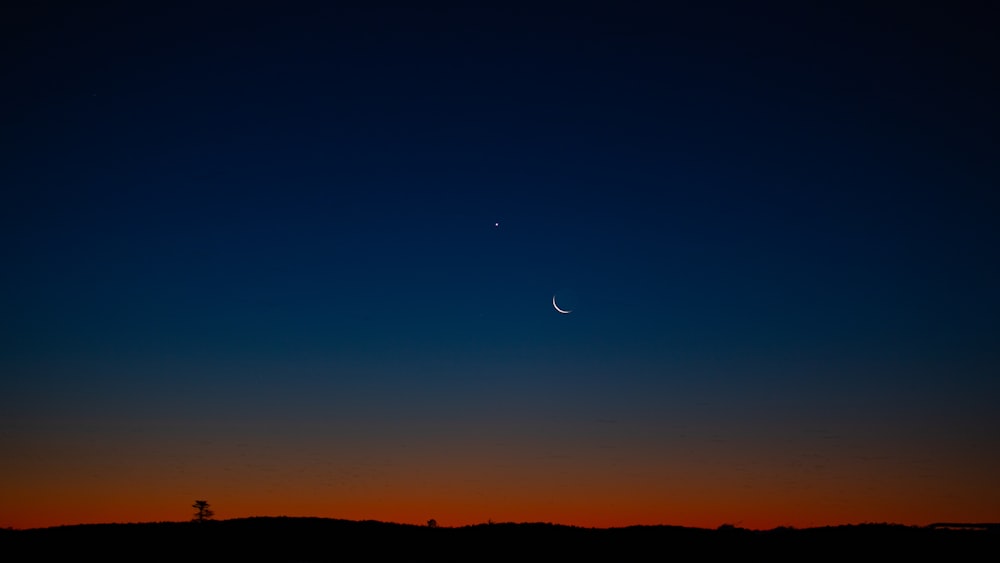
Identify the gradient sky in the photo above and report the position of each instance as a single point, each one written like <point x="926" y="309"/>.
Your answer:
<point x="300" y="261"/>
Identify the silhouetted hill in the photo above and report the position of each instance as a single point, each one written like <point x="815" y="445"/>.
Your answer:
<point x="281" y="539"/>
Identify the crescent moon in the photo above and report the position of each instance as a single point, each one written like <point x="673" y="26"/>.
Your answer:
<point x="565" y="312"/>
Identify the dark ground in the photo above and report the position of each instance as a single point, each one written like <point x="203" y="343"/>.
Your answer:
<point x="316" y="539"/>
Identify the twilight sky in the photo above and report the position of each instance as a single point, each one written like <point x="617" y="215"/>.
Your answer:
<point x="300" y="261"/>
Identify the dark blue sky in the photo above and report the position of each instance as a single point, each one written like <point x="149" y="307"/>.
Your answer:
<point x="763" y="217"/>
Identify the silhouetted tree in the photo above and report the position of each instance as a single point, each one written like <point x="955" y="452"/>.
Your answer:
<point x="432" y="523"/>
<point x="204" y="512"/>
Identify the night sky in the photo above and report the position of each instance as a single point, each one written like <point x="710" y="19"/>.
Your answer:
<point x="300" y="260"/>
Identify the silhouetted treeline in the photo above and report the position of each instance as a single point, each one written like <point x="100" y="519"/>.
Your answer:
<point x="315" y="539"/>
